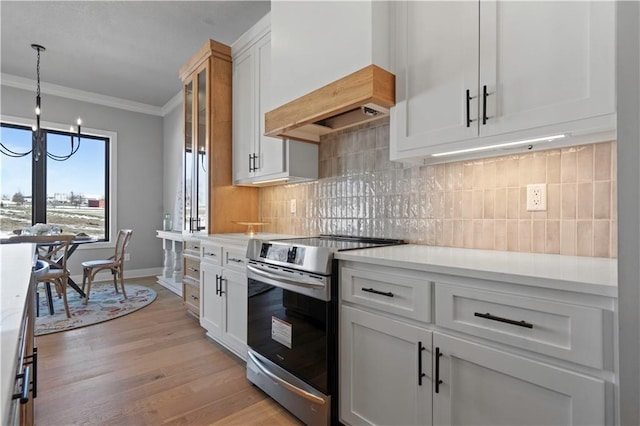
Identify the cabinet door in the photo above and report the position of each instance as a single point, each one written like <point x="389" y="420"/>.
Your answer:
<point x="546" y="62"/>
<point x="486" y="386"/>
<point x="436" y="63"/>
<point x="381" y="361"/>
<point x="234" y="331"/>
<point x="210" y="300"/>
<point x="244" y="113"/>
<point x="271" y="151"/>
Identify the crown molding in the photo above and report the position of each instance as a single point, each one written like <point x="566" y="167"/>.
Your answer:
<point x="81" y="95"/>
<point x="173" y="102"/>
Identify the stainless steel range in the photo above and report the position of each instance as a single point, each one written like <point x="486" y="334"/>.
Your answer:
<point x="293" y="321"/>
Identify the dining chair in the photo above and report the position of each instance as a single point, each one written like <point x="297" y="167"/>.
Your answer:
<point x="115" y="264"/>
<point x="53" y="250"/>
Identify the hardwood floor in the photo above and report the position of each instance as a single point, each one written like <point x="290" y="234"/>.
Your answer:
<point x="154" y="366"/>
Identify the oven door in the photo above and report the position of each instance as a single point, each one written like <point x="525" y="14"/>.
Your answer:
<point x="287" y="327"/>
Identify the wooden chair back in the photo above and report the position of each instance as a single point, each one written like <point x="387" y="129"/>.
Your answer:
<point x="51" y="249"/>
<point x="124" y="235"/>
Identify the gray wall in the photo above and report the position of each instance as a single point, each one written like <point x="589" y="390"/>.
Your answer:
<point x="172" y="160"/>
<point x="628" y="77"/>
<point x="139" y="168"/>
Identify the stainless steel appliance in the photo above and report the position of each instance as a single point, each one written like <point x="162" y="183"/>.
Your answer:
<point x="292" y="328"/>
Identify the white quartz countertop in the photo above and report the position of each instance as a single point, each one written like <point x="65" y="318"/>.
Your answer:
<point x="15" y="275"/>
<point x="230" y="238"/>
<point x="590" y="275"/>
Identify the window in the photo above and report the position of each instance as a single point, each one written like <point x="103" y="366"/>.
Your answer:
<point x="73" y="194"/>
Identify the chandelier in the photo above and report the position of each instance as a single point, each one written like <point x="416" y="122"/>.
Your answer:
<point x="38" y="144"/>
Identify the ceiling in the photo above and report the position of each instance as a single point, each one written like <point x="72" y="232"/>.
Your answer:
<point x="130" y="50"/>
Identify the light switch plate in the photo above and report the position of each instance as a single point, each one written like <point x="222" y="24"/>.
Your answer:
<point x="537" y="197"/>
<point x="293" y="206"/>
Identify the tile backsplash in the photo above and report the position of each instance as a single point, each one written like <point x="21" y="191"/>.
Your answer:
<point x="474" y="204"/>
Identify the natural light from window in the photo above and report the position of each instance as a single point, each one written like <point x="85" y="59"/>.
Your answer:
<point x="77" y="190"/>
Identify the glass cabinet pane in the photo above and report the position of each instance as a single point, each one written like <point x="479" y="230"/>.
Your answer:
<point x="188" y="154"/>
<point x="201" y="161"/>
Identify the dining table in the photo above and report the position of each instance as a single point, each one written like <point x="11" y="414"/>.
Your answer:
<point x="75" y="243"/>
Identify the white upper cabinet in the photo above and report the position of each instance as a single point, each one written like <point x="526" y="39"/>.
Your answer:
<point x="475" y="74"/>
<point x="317" y="42"/>
<point x="257" y="157"/>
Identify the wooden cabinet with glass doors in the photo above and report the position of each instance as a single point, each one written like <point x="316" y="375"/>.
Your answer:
<point x="211" y="203"/>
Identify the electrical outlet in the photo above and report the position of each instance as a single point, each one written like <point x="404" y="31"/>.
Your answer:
<point x="537" y="197"/>
<point x="293" y="206"/>
<point x="127" y="257"/>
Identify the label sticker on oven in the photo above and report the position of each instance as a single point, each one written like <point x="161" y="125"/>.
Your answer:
<point x="281" y="331"/>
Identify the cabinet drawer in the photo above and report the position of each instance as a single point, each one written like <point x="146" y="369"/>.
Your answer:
<point x="562" y="330"/>
<point x="235" y="259"/>
<point x="212" y="254"/>
<point x="192" y="245"/>
<point x="192" y="268"/>
<point x="191" y="296"/>
<point x="397" y="294"/>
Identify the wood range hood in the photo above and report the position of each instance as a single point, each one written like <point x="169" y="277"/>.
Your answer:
<point x="362" y="96"/>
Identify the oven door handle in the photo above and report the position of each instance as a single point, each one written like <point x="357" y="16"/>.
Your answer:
<point x="300" y="392"/>
<point x="298" y="282"/>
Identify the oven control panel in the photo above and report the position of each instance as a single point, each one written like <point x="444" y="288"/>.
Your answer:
<point x="315" y="260"/>
<point x="287" y="254"/>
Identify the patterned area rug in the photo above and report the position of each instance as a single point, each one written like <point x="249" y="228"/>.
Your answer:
<point x="103" y="305"/>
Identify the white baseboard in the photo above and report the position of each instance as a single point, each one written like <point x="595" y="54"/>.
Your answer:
<point x="131" y="273"/>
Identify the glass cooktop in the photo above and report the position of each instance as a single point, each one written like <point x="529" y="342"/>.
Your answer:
<point x="339" y="242"/>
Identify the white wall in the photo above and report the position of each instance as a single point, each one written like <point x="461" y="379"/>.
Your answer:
<point x="139" y="169"/>
<point x="628" y="78"/>
<point x="172" y="160"/>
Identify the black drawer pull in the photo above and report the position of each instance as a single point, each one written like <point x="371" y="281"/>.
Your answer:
<point x="235" y="259"/>
<point x="506" y="320"/>
<point x="193" y="269"/>
<point x="24" y="392"/>
<point x="420" y="373"/>
<point x="374" y="291"/>
<point x="211" y="254"/>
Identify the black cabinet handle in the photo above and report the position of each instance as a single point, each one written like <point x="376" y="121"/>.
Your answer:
<point x="24" y="392"/>
<point x="222" y="278"/>
<point x="420" y="373"/>
<point x="438" y="382"/>
<point x="484" y="104"/>
<point x="33" y="360"/>
<point x="488" y="316"/>
<point x="467" y="99"/>
<point x="217" y="280"/>
<point x="382" y="293"/>
<point x="252" y="162"/>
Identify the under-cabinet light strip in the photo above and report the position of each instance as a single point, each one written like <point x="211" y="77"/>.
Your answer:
<point x="269" y="181"/>
<point x="501" y="145"/>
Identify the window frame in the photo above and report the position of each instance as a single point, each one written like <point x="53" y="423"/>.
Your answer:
<point x="111" y="176"/>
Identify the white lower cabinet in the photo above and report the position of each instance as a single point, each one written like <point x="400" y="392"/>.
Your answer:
<point x="223" y="309"/>
<point x="211" y="302"/>
<point x="496" y="353"/>
<point x="482" y="385"/>
<point x="385" y="369"/>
